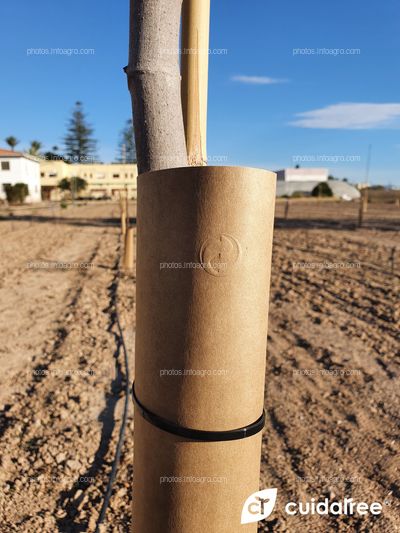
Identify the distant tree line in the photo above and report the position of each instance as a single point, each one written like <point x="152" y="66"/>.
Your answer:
<point x="80" y="145"/>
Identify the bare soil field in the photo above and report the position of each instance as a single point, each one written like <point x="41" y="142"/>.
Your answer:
<point x="332" y="380"/>
<point x="332" y="383"/>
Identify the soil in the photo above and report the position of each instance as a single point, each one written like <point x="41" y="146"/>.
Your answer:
<point x="332" y="380"/>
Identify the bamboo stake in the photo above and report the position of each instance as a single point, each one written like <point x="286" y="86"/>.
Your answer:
<point x="123" y="223"/>
<point x="391" y="259"/>
<point x="126" y="206"/>
<point x="365" y="207"/>
<point x="287" y="209"/>
<point x="365" y="201"/>
<point x="122" y="206"/>
<point x="360" y="213"/>
<point x="195" y="43"/>
<point x="307" y="240"/>
<point x="128" y="250"/>
<point x="361" y="210"/>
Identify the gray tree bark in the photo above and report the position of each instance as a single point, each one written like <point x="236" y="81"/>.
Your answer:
<point x="155" y="84"/>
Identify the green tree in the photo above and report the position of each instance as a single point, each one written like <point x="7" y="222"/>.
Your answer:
<point x="80" y="146"/>
<point x="35" y="148"/>
<point x="12" y="142"/>
<point x="64" y="184"/>
<point x="127" y="146"/>
<point x="17" y="193"/>
<point x="53" y="155"/>
<point x="74" y="184"/>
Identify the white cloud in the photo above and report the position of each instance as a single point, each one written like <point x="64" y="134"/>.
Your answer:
<point x="351" y="116"/>
<point x="257" y="80"/>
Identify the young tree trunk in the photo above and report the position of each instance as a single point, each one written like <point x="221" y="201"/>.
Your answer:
<point x="155" y="84"/>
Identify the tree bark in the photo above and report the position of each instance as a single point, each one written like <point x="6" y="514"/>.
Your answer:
<point x="155" y="84"/>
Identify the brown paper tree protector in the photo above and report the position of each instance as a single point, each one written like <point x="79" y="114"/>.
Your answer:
<point x="203" y="273"/>
<point x="203" y="270"/>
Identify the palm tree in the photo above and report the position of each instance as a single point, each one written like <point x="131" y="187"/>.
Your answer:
<point x="35" y="147"/>
<point x="12" y="142"/>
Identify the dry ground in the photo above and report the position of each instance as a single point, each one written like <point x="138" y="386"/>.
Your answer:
<point x="332" y="383"/>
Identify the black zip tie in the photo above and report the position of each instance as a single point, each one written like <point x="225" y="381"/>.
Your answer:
<point x="198" y="434"/>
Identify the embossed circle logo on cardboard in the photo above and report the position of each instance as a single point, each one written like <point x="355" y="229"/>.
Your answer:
<point x="219" y="254"/>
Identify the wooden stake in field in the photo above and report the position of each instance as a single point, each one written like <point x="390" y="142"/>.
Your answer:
<point x="122" y="206"/>
<point x="126" y="206"/>
<point x="128" y="259"/>
<point x="362" y="209"/>
<point x="392" y="259"/>
<point x="123" y="223"/>
<point x="195" y="53"/>
<point x="365" y="200"/>
<point x="287" y="205"/>
<point x="307" y="236"/>
<point x="128" y="241"/>
<point x="202" y="322"/>
<point x="366" y="190"/>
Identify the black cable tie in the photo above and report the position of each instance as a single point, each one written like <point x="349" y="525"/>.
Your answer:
<point x="198" y="434"/>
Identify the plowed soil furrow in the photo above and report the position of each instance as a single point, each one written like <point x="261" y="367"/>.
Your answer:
<point x="333" y="387"/>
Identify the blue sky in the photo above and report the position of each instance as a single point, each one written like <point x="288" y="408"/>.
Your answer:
<point x="272" y="102"/>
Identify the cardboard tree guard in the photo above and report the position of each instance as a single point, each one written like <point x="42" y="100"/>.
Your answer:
<point x="204" y="246"/>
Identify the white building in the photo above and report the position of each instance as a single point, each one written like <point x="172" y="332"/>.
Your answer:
<point x="340" y="189"/>
<point x="302" y="174"/>
<point x="17" y="167"/>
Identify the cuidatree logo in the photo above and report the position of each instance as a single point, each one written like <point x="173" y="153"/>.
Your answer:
<point x="259" y="506"/>
<point x="219" y="254"/>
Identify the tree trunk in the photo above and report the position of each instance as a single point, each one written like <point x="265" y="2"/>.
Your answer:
<point x="155" y="84"/>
